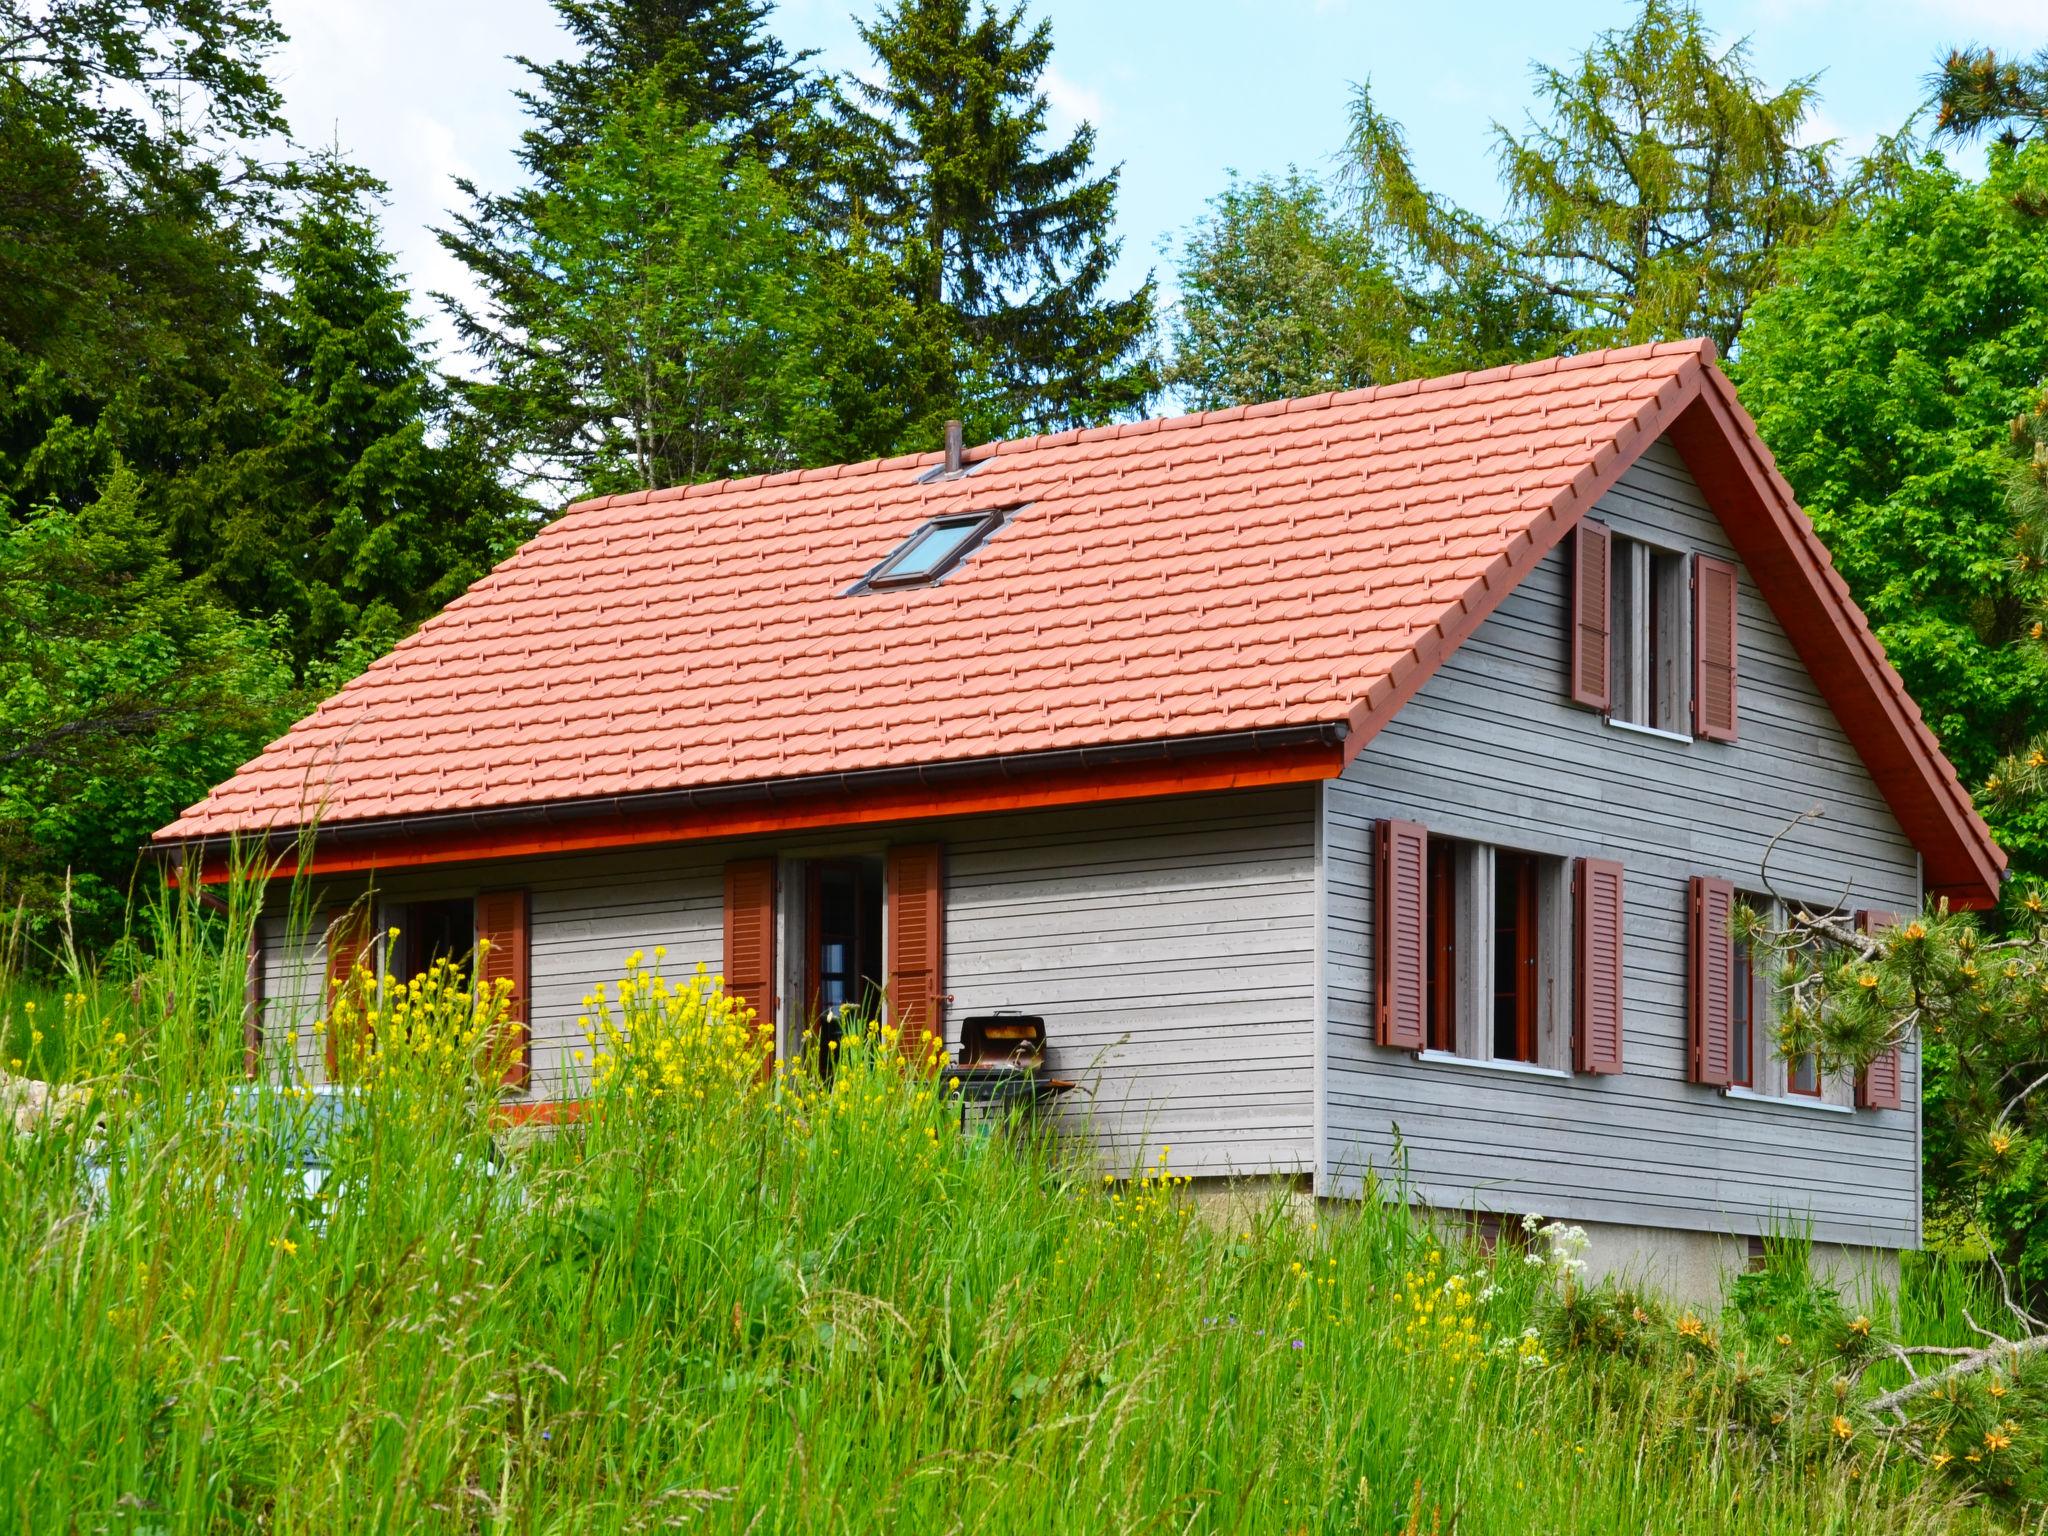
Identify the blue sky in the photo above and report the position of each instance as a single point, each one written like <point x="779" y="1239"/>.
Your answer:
<point x="1180" y="93"/>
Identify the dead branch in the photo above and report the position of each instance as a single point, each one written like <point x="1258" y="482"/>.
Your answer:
<point x="2004" y="1352"/>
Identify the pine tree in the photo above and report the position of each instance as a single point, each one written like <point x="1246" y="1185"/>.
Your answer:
<point x="1001" y="245"/>
<point x="1978" y="90"/>
<point x="363" y="506"/>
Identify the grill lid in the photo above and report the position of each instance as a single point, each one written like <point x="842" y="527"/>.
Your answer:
<point x="990" y="1038"/>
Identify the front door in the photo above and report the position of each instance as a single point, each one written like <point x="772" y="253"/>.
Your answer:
<point x="843" y="929"/>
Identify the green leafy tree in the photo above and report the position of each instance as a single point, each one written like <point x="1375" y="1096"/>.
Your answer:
<point x="1282" y="295"/>
<point x="126" y="690"/>
<point x="1000" y="244"/>
<point x="1653" y="197"/>
<point x="1885" y="374"/>
<point x="364" y="503"/>
<point x="1286" y="289"/>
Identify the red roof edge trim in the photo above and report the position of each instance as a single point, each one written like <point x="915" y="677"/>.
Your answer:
<point x="1505" y="573"/>
<point x="1791" y="567"/>
<point x="405" y="848"/>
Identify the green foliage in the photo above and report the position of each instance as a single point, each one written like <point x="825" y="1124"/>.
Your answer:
<point x="1652" y="199"/>
<point x="1289" y="290"/>
<point x="126" y="690"/>
<point x="816" y="1307"/>
<point x="670" y="313"/>
<point x="1280" y="295"/>
<point x="1979" y="1007"/>
<point x="714" y="63"/>
<point x="1001" y="245"/>
<point x="362" y="504"/>
<point x="1884" y="373"/>
<point x="1664" y="182"/>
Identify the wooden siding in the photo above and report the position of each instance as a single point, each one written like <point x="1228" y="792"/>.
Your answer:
<point x="1170" y="947"/>
<point x="1168" y="943"/>
<point x="1491" y="749"/>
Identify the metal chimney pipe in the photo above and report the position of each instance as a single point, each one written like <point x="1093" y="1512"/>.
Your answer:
<point x="955" y="446"/>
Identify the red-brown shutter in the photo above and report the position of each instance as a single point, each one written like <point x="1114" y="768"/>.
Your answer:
<point x="1402" y="972"/>
<point x="1598" y="888"/>
<point x="917" y="944"/>
<point x="1879" y="1085"/>
<point x="1712" y="982"/>
<point x="1713" y="648"/>
<point x="349" y="937"/>
<point x="750" y="940"/>
<point x="1592" y="583"/>
<point x="503" y="920"/>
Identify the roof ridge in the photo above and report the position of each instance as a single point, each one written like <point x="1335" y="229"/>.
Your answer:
<point x="1701" y="347"/>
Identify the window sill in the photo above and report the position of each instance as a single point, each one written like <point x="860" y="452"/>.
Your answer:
<point x="1788" y="1101"/>
<point x="1650" y="730"/>
<point x="1489" y="1064"/>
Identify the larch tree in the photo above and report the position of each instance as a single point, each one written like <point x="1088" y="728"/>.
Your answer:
<point x="1652" y="195"/>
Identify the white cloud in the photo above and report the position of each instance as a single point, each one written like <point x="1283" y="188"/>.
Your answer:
<point x="1070" y="103"/>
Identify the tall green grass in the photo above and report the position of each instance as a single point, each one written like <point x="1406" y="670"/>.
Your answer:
<point x="821" y="1308"/>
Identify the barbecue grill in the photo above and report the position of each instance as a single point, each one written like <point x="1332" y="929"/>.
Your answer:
<point x="1001" y="1068"/>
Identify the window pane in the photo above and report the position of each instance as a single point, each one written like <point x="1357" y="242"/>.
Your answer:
<point x="1514" y="957"/>
<point x="1442" y="942"/>
<point x="1744" y="1030"/>
<point x="932" y="549"/>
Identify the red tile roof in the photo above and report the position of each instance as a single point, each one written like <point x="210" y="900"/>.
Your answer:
<point x="1273" y="566"/>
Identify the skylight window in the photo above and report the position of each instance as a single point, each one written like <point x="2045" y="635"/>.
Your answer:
<point x="931" y="551"/>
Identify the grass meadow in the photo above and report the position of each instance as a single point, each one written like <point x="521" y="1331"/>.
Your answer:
<point x="718" y="1303"/>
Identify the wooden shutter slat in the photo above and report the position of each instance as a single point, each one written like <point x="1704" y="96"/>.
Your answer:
<point x="916" y="916"/>
<point x="503" y="921"/>
<point x="1600" y="891"/>
<point x="749" y="967"/>
<point x="1402" y="892"/>
<point x="1592" y="645"/>
<point x="1714" y="590"/>
<point x="1881" y="1084"/>
<point x="1712" y="987"/>
<point x="349" y="937"/>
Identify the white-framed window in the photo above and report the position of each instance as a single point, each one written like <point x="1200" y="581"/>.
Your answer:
<point x="1759" y="1069"/>
<point x="1652" y="637"/>
<point x="1498" y="939"/>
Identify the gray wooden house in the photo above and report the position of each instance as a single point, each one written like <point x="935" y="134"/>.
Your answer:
<point x="1331" y="774"/>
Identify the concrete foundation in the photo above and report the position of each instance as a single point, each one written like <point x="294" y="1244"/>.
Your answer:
<point x="1689" y="1268"/>
<point x="1696" y="1268"/>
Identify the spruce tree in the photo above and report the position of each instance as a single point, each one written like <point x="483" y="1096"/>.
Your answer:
<point x="364" y="505"/>
<point x="717" y="65"/>
<point x="672" y="146"/>
<point x="1001" y="244"/>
